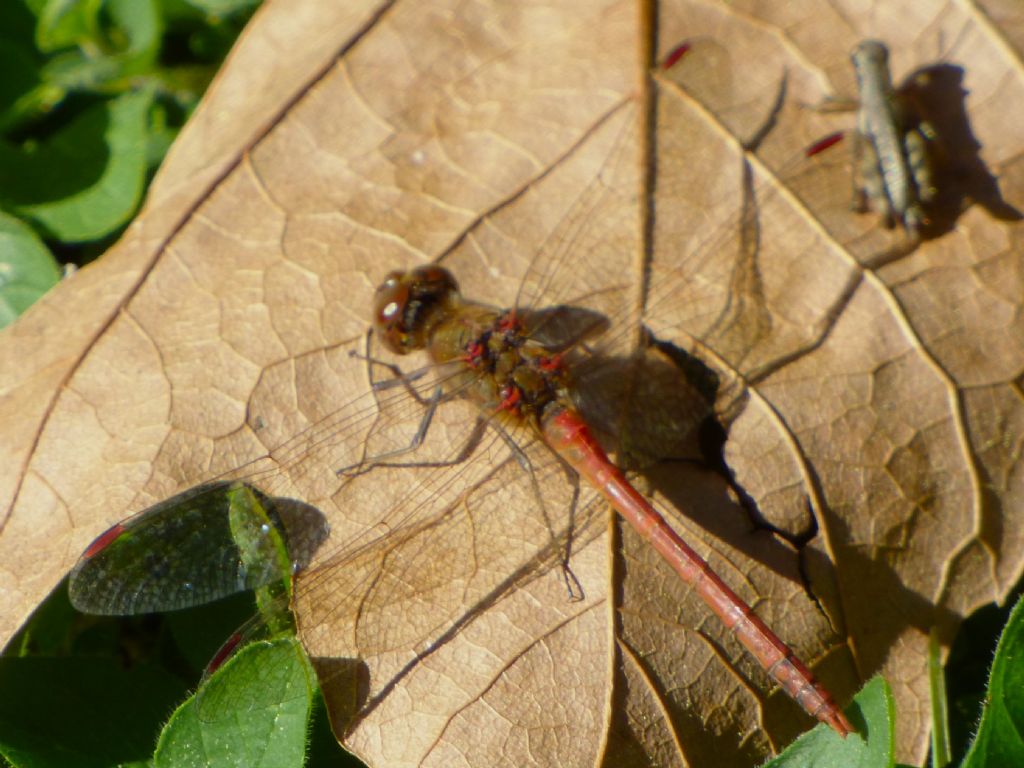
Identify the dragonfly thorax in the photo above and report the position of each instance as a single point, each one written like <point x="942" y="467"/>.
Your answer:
<point x="501" y="367"/>
<point x="514" y="373"/>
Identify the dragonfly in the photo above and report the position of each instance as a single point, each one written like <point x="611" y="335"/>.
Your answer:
<point x="505" y="370"/>
<point x="526" y="374"/>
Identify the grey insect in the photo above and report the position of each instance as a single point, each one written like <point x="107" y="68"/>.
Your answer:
<point x="892" y="156"/>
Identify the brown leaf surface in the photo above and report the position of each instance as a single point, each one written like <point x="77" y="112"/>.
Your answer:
<point x="877" y="409"/>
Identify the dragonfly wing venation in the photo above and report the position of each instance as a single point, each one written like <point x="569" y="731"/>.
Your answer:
<point x="176" y="554"/>
<point x="460" y="539"/>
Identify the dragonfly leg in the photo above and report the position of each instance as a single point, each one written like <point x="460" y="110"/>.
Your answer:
<point x="399" y="378"/>
<point x="858" y="187"/>
<point x="918" y="151"/>
<point x="403" y="379"/>
<point x="572" y="583"/>
<point x="832" y="105"/>
<point x="367" y="463"/>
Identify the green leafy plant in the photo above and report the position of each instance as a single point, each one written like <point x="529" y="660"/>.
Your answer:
<point x="276" y="672"/>
<point x="93" y="94"/>
<point x="94" y="691"/>
<point x="998" y="740"/>
<point x="86" y="690"/>
<point x="1000" y="737"/>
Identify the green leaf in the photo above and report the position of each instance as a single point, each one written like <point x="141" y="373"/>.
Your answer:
<point x="87" y="179"/>
<point x="23" y="94"/>
<point x="35" y="6"/>
<point x="940" y="756"/>
<point x="872" y="714"/>
<point x="126" y="28"/>
<point x="19" y="85"/>
<point x="223" y="7"/>
<point x="140" y="22"/>
<point x="79" y="712"/>
<point x="66" y="23"/>
<point x="27" y="269"/>
<point x="1000" y="739"/>
<point x="125" y="50"/>
<point x="71" y="71"/>
<point x="239" y="733"/>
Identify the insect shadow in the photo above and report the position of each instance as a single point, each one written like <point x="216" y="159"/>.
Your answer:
<point x="668" y="425"/>
<point x="936" y="93"/>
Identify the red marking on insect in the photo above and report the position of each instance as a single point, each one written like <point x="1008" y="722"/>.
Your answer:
<point x="552" y="363"/>
<point x="508" y="323"/>
<point x="822" y="144"/>
<point x="510" y="399"/>
<point x="103" y="540"/>
<point x="474" y="353"/>
<point x="224" y="653"/>
<point x="675" y="55"/>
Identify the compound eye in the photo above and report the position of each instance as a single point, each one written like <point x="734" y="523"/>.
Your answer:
<point x="434" y="280"/>
<point x="390" y="282"/>
<point x="389" y="311"/>
<point x="408" y="305"/>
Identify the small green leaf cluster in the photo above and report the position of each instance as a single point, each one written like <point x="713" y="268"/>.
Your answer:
<point x="998" y="740"/>
<point x="93" y="93"/>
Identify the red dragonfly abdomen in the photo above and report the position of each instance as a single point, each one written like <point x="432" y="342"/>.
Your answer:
<point x="567" y="434"/>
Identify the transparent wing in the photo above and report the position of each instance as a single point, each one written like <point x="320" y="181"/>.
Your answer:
<point x="455" y="539"/>
<point x="199" y="546"/>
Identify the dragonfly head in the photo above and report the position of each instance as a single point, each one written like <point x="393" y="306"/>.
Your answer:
<point x="409" y="304"/>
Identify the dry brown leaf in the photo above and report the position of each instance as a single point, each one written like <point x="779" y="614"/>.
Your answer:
<point x="881" y="408"/>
